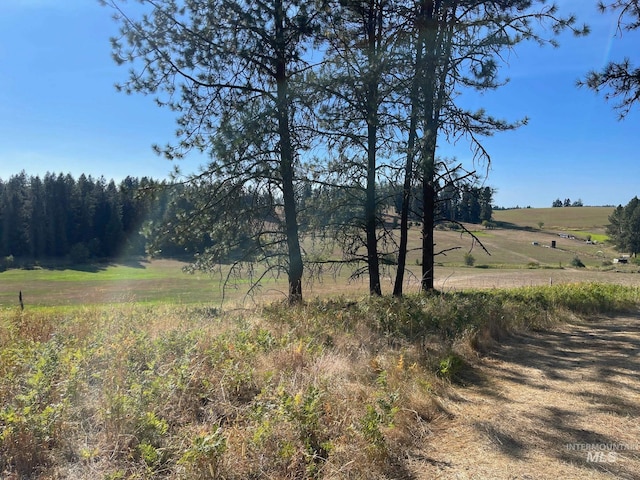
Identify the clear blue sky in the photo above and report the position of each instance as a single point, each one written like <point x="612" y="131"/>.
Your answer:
<point x="59" y="110"/>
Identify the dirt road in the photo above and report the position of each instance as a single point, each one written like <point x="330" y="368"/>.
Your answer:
<point x="559" y="404"/>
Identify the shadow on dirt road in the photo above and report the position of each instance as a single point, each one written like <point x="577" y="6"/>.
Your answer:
<point x="563" y="403"/>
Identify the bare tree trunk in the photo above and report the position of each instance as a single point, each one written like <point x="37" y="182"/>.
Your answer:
<point x="406" y="188"/>
<point x="374" y="31"/>
<point x="370" y="216"/>
<point x="428" y="214"/>
<point x="435" y="38"/>
<point x="295" y="268"/>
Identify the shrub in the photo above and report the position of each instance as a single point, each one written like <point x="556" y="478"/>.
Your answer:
<point x="469" y="260"/>
<point x="450" y="366"/>
<point x="204" y="456"/>
<point x="577" y="263"/>
<point x="6" y="263"/>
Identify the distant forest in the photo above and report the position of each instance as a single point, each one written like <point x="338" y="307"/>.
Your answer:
<point x="85" y="219"/>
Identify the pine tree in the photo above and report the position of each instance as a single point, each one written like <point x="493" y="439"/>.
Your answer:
<point x="619" y="79"/>
<point x="624" y="227"/>
<point x="228" y="69"/>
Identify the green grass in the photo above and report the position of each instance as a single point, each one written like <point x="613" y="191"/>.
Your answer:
<point x="164" y="282"/>
<point x="595" y="237"/>
<point x="109" y="273"/>
<point x="152" y="282"/>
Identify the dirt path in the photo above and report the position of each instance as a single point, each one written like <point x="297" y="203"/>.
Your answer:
<point x="560" y="404"/>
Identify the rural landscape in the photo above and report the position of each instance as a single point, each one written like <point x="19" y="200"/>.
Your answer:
<point x="522" y="362"/>
<point x="330" y="293"/>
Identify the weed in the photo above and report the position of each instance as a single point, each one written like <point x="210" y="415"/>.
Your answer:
<point x="204" y="456"/>
<point x="450" y="367"/>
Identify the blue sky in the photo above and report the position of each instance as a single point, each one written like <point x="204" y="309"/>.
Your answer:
<point x="59" y="110"/>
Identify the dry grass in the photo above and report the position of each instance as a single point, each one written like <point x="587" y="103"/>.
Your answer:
<point x="583" y="218"/>
<point x="148" y="392"/>
<point x="331" y="389"/>
<point x="555" y="404"/>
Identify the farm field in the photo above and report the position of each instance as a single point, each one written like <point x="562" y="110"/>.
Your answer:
<point x="520" y="255"/>
<point x="564" y="218"/>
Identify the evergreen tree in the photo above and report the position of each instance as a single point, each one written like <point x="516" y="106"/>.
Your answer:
<point x="229" y="69"/>
<point x="624" y="229"/>
<point x="457" y="44"/>
<point x="358" y="86"/>
<point x="37" y="219"/>
<point x="15" y="221"/>
<point x="486" y="204"/>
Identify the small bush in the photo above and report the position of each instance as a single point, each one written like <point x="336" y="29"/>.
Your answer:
<point x="6" y="263"/>
<point x="577" y="263"/>
<point x="204" y="456"/>
<point x="389" y="259"/>
<point x="469" y="260"/>
<point x="450" y="366"/>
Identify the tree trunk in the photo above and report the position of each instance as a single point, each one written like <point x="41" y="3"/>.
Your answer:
<point x="404" y="214"/>
<point x="428" y="214"/>
<point x="370" y="216"/>
<point x="295" y="269"/>
<point x="406" y="188"/>
<point x="435" y="38"/>
<point x="374" y="17"/>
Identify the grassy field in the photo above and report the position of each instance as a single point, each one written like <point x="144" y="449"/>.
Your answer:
<point x="565" y="218"/>
<point x="519" y="255"/>
<point x="159" y="281"/>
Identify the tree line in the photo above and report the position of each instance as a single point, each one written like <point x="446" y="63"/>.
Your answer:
<point x="58" y="216"/>
<point x="567" y="203"/>
<point x="624" y="227"/>
<point x="84" y="219"/>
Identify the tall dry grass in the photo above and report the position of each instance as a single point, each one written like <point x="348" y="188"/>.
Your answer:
<point x="338" y="388"/>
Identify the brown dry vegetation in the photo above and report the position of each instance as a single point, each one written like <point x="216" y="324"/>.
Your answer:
<point x="563" y="219"/>
<point x="375" y="388"/>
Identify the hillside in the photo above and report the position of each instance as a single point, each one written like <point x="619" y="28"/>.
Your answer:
<point x="566" y="218"/>
<point x="518" y="241"/>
